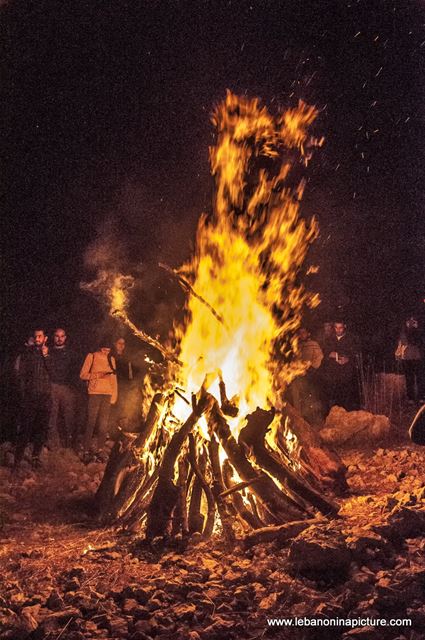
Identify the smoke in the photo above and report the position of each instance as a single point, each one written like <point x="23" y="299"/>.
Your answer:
<point x="121" y="264"/>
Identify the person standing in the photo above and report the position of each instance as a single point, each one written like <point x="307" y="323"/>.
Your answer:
<point x="99" y="370"/>
<point x="339" y="368"/>
<point x="62" y="365"/>
<point x="304" y="390"/>
<point x="34" y="390"/>
<point x="409" y="353"/>
<point x="120" y="413"/>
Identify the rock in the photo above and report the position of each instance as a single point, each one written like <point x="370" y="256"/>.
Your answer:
<point x="368" y="544"/>
<point x="17" y="627"/>
<point x="133" y="608"/>
<point x="77" y="572"/>
<point x="319" y="556"/>
<point x="402" y="523"/>
<point x="145" y="626"/>
<point x="118" y="627"/>
<point x="72" y="585"/>
<point x="135" y="592"/>
<point x="59" y="618"/>
<point x="354" y="427"/>
<point x="184" y="611"/>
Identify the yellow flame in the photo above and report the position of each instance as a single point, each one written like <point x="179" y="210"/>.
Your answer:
<point x="248" y="257"/>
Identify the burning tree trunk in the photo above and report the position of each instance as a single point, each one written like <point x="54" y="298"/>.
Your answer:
<point x="222" y="459"/>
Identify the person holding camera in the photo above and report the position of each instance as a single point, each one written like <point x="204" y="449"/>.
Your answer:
<point x="99" y="371"/>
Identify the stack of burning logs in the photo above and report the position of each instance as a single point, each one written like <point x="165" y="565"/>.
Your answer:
<point x="180" y="484"/>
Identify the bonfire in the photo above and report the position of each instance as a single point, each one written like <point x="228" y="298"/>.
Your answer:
<point x="220" y="451"/>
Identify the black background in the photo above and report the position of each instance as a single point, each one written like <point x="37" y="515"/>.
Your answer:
<point x="105" y="109"/>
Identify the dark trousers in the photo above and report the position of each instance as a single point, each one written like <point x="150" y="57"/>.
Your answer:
<point x="98" y="409"/>
<point x="413" y="372"/>
<point x="63" y="403"/>
<point x="34" y="425"/>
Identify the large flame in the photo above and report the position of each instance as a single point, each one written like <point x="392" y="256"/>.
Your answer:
<point x="248" y="257"/>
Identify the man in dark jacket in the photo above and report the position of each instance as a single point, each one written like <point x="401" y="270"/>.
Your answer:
<point x="34" y="388"/>
<point x="62" y="364"/>
<point x="339" y="368"/>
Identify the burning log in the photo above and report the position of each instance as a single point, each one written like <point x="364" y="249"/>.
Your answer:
<point x="253" y="435"/>
<point x="248" y="516"/>
<point x="280" y="534"/>
<point x="124" y="472"/>
<point x="165" y="495"/>
<point x="188" y="287"/>
<point x="279" y="506"/>
<point x="196" y="520"/>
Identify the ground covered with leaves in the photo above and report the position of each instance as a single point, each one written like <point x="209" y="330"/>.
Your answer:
<point x="64" y="578"/>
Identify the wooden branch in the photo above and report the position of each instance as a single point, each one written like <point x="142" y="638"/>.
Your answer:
<point x="188" y="287"/>
<point x="280" y="534"/>
<point x="218" y="487"/>
<point x="145" y="337"/>
<point x="166" y="493"/>
<point x="279" y="506"/>
<point x="240" y="486"/>
<point x="180" y="521"/>
<point x="253" y="436"/>
<point x="203" y="484"/>
<point x="327" y="467"/>
<point x="227" y="407"/>
<point x="249" y="517"/>
<point x="196" y="519"/>
<point x="124" y="473"/>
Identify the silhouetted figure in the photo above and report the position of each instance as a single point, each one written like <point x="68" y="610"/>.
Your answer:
<point x="409" y="353"/>
<point x="120" y="413"/>
<point x="62" y="365"/>
<point x="34" y="389"/>
<point x="339" y="369"/>
<point x="304" y="391"/>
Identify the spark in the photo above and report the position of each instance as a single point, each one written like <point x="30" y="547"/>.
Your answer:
<point x="379" y="71"/>
<point x="357" y="34"/>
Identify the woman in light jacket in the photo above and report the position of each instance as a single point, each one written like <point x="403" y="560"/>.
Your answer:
<point x="99" y="370"/>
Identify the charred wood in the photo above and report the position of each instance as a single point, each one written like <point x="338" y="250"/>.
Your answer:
<point x="203" y="486"/>
<point x="253" y="435"/>
<point x="166" y="493"/>
<point x="279" y="534"/>
<point x="279" y="507"/>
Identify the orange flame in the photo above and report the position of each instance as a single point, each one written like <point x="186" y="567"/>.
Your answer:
<point x="248" y="257"/>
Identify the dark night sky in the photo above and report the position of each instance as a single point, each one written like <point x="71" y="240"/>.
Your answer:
<point x="105" y="112"/>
